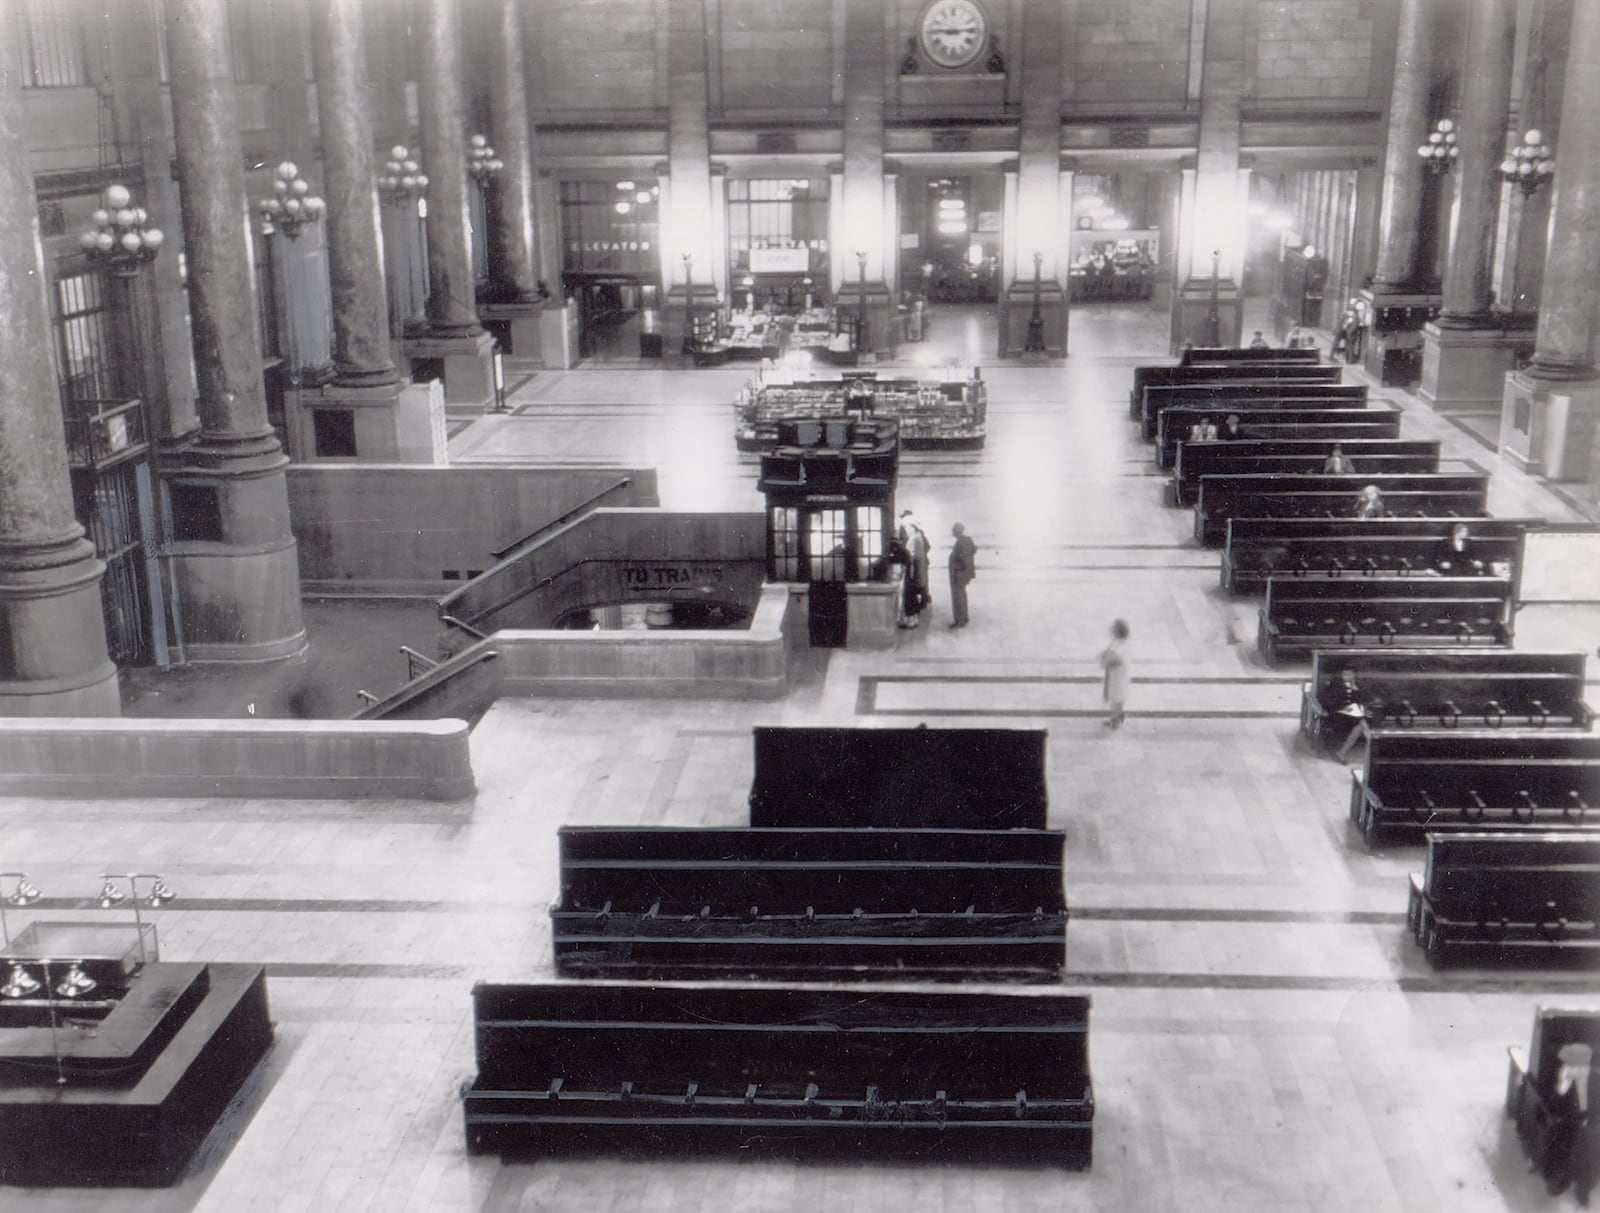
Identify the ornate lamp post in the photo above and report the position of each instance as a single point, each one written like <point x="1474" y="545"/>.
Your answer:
<point x="402" y="180"/>
<point x="1440" y="153"/>
<point x="483" y="166"/>
<point x="1531" y="164"/>
<point x="861" y="319"/>
<point x="291" y="206"/>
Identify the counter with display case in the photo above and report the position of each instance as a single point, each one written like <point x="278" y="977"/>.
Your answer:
<point x="945" y="409"/>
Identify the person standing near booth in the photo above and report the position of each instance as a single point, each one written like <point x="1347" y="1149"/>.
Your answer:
<point x="963" y="568"/>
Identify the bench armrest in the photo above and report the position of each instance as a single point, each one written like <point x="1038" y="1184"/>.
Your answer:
<point x="1516" y="1077"/>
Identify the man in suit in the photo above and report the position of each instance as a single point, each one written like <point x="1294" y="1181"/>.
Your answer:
<point x="963" y="568"/>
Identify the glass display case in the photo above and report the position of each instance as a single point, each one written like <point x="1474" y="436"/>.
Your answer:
<point x="945" y="408"/>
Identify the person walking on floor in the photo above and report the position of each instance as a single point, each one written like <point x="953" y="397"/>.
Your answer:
<point x="963" y="568"/>
<point x="1114" y="660"/>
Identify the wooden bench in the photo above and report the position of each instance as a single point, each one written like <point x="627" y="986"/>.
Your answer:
<point x="1531" y="1099"/>
<point x="1375" y="457"/>
<point x="1228" y="373"/>
<point x="1258" y="548"/>
<point x="1217" y="400"/>
<point x="1464" y="780"/>
<point x="1294" y="419"/>
<point x="1199" y="354"/>
<point x="961" y="779"/>
<point x="1268" y="495"/>
<point x="1443" y="688"/>
<point x="1508" y="898"/>
<point x="811" y="904"/>
<point x="576" y="1067"/>
<point x="1304" y="614"/>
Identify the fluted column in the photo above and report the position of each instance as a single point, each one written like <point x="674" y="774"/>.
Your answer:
<point x="234" y="554"/>
<point x="511" y="251"/>
<point x="1491" y="43"/>
<point x="441" y="108"/>
<point x="355" y="245"/>
<point x="1406" y="221"/>
<point x="52" y="635"/>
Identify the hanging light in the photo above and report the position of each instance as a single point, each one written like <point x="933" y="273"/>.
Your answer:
<point x="1439" y="153"/>
<point x="120" y="239"/>
<point x="291" y="205"/>
<point x="1531" y="164"/>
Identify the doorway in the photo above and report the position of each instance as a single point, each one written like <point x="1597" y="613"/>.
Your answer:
<point x="957" y="221"/>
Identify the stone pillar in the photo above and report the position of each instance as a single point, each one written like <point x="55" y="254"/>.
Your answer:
<point x="1528" y="219"/>
<point x="361" y="407"/>
<point x="52" y="635"/>
<point x="233" y="554"/>
<point x="512" y="300"/>
<point x="1548" y="415"/>
<point x="1034" y="316"/>
<point x="169" y="386"/>
<point x="1403" y="295"/>
<point x="861" y="215"/>
<point x="1209" y="307"/>
<point x="686" y="192"/>
<point x="1467" y="351"/>
<point x="454" y="338"/>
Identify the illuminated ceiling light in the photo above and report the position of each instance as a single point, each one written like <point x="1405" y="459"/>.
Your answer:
<point x="627" y="187"/>
<point x="624" y="207"/>
<point x="953" y="228"/>
<point x="1309" y="251"/>
<point x="952" y="204"/>
<point x="642" y="197"/>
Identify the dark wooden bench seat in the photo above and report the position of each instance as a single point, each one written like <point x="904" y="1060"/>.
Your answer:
<point x="1197" y="355"/>
<point x="1246" y="372"/>
<point x="1461" y="780"/>
<point x="1304" y="614"/>
<point x="961" y="779"/>
<point x="1227" y="457"/>
<point x="1293" y="419"/>
<point x="577" y="1067"/>
<point x="1268" y="495"/>
<point x="1444" y="688"/>
<point x="1508" y="898"/>
<point x="1258" y="548"/>
<point x="1531" y="1099"/>
<point x="810" y="904"/>
<point x="1218" y="398"/>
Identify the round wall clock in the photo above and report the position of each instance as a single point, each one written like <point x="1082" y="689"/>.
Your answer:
<point x="954" y="32"/>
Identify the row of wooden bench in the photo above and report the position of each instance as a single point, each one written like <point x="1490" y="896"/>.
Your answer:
<point x="883" y="853"/>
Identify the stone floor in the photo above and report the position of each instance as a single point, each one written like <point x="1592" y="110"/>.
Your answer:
<point x="1264" y="1036"/>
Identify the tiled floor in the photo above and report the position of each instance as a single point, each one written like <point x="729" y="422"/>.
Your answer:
<point x="1264" y="1036"/>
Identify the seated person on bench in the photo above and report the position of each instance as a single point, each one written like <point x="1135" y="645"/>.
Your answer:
<point x="1338" y="463"/>
<point x="1259" y="342"/>
<point x="1370" y="503"/>
<point x="1230" y="428"/>
<point x="1571" y="1155"/>
<point x="1204" y="430"/>
<point x="1345" y="700"/>
<point x="1455" y="557"/>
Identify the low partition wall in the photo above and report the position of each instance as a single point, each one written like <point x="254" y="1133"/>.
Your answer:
<point x="407" y="528"/>
<point x="750" y="663"/>
<point x="282" y="759"/>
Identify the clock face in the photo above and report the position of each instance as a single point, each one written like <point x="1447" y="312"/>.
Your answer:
<point x="954" y="32"/>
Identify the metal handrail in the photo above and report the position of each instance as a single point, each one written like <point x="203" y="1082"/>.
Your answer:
<point x="581" y="507"/>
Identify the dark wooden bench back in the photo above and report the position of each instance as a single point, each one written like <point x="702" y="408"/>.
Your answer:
<point x="1218" y="399"/>
<point x="1257" y="548"/>
<point x="1552" y="777"/>
<point x="1450" y="687"/>
<point x="1377" y="457"/>
<point x="1304" y="614"/>
<point x="1199" y="354"/>
<point x="833" y="871"/>
<point x="976" y="779"/>
<point x="1254" y="495"/>
<point x="1519" y="877"/>
<point x="1246" y="372"/>
<point x="1305" y="420"/>
<point x="1553" y="1029"/>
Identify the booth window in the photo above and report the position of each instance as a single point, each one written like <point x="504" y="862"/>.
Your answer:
<point x="829" y="550"/>
<point x="784" y="542"/>
<point x="869" y="540"/>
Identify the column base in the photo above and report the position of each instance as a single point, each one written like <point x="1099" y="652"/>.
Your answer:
<point x="1464" y="369"/>
<point x="1393" y="351"/>
<point x="465" y="363"/>
<point x="1018" y="331"/>
<point x="518" y="326"/>
<point x="234" y="562"/>
<point x="1547" y="426"/>
<point x="53" y="658"/>
<point x="395" y="423"/>
<point x="1191" y="314"/>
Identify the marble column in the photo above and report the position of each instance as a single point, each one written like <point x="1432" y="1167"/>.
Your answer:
<point x="861" y="213"/>
<point x="52" y="635"/>
<point x="1528" y="218"/>
<point x="234" y="559"/>
<point x="1548" y="418"/>
<point x="1404" y="294"/>
<point x="686" y="203"/>
<point x="1467" y="351"/>
<point x="1028" y="293"/>
<point x="1209" y="306"/>
<point x="454" y="337"/>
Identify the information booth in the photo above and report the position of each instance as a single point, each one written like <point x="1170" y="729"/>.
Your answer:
<point x="829" y="488"/>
